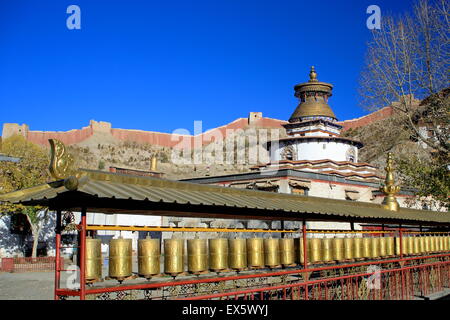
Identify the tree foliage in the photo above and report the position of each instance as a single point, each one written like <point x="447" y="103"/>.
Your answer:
<point x="30" y="171"/>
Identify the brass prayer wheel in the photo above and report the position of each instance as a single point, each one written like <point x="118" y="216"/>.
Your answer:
<point x="366" y="247"/>
<point x="255" y="252"/>
<point x="149" y="253"/>
<point x="357" y="248"/>
<point x="315" y="247"/>
<point x="237" y="253"/>
<point x="405" y="246"/>
<point x="441" y="243"/>
<point x="120" y="258"/>
<point x="422" y="245"/>
<point x="382" y="241"/>
<point x="374" y="247"/>
<point x="432" y="244"/>
<point x="272" y="252"/>
<point x="436" y="246"/>
<point x="348" y="248"/>
<point x="93" y="259"/>
<point x="446" y="243"/>
<point x="327" y="250"/>
<point x="287" y="251"/>
<point x="390" y="246"/>
<point x="427" y="244"/>
<point x="337" y="245"/>
<point x="173" y="256"/>
<point x="410" y="245"/>
<point x="218" y="254"/>
<point x="416" y="246"/>
<point x="197" y="255"/>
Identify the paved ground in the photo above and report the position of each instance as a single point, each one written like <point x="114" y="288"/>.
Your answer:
<point x="26" y="286"/>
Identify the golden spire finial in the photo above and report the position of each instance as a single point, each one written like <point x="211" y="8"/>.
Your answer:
<point x="312" y="75"/>
<point x="153" y="165"/>
<point x="389" y="188"/>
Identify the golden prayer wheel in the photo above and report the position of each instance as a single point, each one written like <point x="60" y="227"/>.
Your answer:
<point x="120" y="258"/>
<point x="348" y="248"/>
<point x="287" y="251"/>
<point x="421" y="245"/>
<point x="327" y="250"/>
<point x="272" y="252"/>
<point x="337" y="244"/>
<point x="405" y="246"/>
<point x="237" y="253"/>
<point x="218" y="254"/>
<point x="255" y="252"/>
<point x="390" y="246"/>
<point x="357" y="248"/>
<point x="382" y="241"/>
<point x="374" y="247"/>
<point x="437" y="244"/>
<point x="410" y="245"/>
<point x="93" y="259"/>
<point x="197" y="255"/>
<point x="416" y="246"/>
<point x="446" y="243"/>
<point x="366" y="247"/>
<point x="427" y="244"/>
<point x="315" y="248"/>
<point x="173" y="256"/>
<point x="432" y="244"/>
<point x="441" y="243"/>
<point x="149" y="253"/>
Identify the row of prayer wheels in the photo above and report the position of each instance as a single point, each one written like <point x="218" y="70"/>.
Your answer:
<point x="238" y="254"/>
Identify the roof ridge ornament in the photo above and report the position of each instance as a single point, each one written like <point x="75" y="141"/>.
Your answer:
<point x="313" y="75"/>
<point x="61" y="165"/>
<point x="389" y="188"/>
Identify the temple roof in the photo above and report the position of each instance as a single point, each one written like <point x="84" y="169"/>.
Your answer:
<point x="98" y="191"/>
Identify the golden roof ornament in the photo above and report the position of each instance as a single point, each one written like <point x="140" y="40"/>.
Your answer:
<point x="313" y="75"/>
<point x="389" y="188"/>
<point x="153" y="165"/>
<point x="61" y="164"/>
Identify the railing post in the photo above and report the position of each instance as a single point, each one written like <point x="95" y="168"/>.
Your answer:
<point x="83" y="255"/>
<point x="57" y="253"/>
<point x="305" y="259"/>
<point x="402" y="262"/>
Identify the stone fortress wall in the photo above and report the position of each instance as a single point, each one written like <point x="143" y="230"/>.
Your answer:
<point x="254" y="120"/>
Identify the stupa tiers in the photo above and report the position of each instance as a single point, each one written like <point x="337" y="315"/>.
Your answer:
<point x="314" y="142"/>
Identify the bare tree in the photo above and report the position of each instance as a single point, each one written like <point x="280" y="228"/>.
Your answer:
<point x="408" y="59"/>
<point x="407" y="67"/>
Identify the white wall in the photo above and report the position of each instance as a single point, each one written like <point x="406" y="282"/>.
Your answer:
<point x="317" y="150"/>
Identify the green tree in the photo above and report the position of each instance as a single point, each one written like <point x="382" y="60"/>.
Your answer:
<point x="30" y="171"/>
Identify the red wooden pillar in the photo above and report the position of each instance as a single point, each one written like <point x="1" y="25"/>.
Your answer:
<point x="83" y="255"/>
<point x="57" y="253"/>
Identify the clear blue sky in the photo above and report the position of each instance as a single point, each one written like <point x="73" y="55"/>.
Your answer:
<point x="160" y="65"/>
